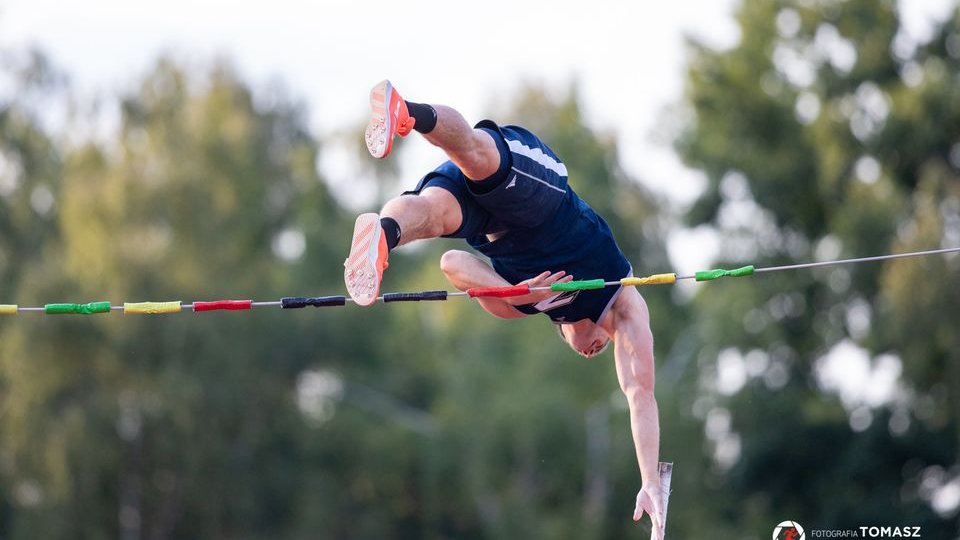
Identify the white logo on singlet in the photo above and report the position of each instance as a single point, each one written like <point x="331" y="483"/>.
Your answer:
<point x="556" y="301"/>
<point x="513" y="182"/>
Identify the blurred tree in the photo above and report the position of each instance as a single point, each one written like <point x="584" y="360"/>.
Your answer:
<point x="30" y="171"/>
<point x="295" y="424"/>
<point x="30" y="164"/>
<point x="825" y="132"/>
<point x="167" y="427"/>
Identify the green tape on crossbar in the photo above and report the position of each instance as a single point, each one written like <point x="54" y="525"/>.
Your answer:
<point x="709" y="275"/>
<point x="578" y="285"/>
<point x="79" y="309"/>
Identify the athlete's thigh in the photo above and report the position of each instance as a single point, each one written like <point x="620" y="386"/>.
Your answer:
<point x="461" y="215"/>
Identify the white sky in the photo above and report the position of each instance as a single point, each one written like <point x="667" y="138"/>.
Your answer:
<point x="628" y="57"/>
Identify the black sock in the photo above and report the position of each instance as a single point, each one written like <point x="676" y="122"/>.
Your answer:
<point x="425" y="116"/>
<point x="392" y="229"/>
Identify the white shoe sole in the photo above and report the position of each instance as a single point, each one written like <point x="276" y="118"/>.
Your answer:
<point x="378" y="131"/>
<point x="360" y="272"/>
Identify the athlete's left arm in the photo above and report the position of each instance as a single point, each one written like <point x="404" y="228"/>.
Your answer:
<point x="466" y="271"/>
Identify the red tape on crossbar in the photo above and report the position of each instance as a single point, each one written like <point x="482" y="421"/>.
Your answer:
<point x="499" y="292"/>
<point x="232" y="305"/>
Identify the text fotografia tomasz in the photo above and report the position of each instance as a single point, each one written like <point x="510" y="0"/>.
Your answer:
<point x="869" y="532"/>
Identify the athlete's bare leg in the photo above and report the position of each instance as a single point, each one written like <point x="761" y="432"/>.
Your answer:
<point x="472" y="150"/>
<point x="435" y="212"/>
<point x="465" y="271"/>
<point x="431" y="214"/>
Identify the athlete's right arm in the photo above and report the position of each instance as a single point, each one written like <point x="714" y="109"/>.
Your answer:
<point x="466" y="271"/>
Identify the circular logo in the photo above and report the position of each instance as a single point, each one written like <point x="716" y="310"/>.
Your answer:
<point x="788" y="530"/>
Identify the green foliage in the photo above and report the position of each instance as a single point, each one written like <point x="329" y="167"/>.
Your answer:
<point x="823" y="133"/>
<point x="401" y="421"/>
<point x="154" y="420"/>
<point x="437" y="420"/>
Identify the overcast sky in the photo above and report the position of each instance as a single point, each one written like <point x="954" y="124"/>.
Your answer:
<point x="628" y="57"/>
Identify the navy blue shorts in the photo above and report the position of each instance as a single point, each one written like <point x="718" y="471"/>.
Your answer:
<point x="524" y="192"/>
<point x="542" y="224"/>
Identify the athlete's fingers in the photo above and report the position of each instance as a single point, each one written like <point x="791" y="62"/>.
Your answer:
<point x="535" y="281"/>
<point x="551" y="278"/>
<point x="554" y="277"/>
<point x="652" y="505"/>
<point x="656" y="526"/>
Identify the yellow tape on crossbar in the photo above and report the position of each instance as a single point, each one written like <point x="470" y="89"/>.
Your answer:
<point x="658" y="279"/>
<point x="8" y="309"/>
<point x="149" y="308"/>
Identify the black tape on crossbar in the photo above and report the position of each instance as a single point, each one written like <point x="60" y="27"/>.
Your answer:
<point x="415" y="297"/>
<point x="297" y="302"/>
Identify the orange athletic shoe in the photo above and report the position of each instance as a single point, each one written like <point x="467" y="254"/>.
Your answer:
<point x="388" y="117"/>
<point x="364" y="268"/>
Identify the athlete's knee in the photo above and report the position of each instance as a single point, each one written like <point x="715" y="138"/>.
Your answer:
<point x="456" y="266"/>
<point x="453" y="261"/>
<point x="401" y="205"/>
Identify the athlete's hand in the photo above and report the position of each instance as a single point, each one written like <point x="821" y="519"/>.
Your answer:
<point x="543" y="280"/>
<point x="650" y="500"/>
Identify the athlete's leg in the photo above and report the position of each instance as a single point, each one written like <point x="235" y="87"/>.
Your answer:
<point x="628" y="322"/>
<point x="472" y="150"/>
<point x="466" y="271"/>
<point x="433" y="213"/>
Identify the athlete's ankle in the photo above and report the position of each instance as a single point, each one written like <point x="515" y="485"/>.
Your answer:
<point x="425" y="116"/>
<point x="391" y="231"/>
